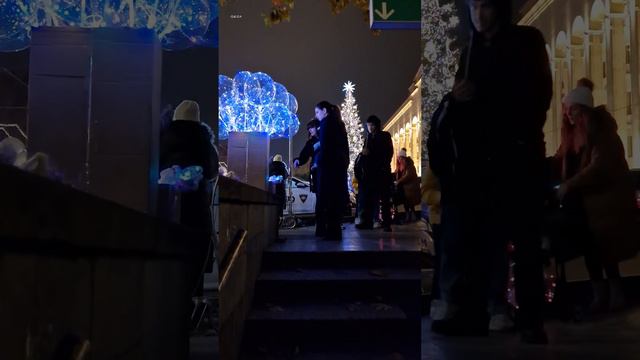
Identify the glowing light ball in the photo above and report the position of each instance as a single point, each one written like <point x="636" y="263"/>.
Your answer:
<point x="253" y="102"/>
<point x="178" y="23"/>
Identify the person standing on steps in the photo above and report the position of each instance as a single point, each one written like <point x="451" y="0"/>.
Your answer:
<point x="498" y="108"/>
<point x="332" y="165"/>
<point x="376" y="189"/>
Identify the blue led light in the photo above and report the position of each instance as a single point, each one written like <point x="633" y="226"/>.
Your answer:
<point x="178" y="23"/>
<point x="254" y="102"/>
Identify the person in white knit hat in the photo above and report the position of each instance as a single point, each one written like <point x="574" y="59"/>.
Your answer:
<point x="596" y="193"/>
<point x="188" y="142"/>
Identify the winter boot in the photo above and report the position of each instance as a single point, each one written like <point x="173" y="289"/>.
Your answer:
<point x="600" y="292"/>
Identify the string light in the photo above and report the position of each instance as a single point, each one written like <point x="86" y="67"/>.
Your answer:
<point x="439" y="57"/>
<point x="349" y="113"/>
<point x="178" y="23"/>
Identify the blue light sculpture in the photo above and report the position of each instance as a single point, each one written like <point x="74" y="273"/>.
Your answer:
<point x="178" y="23"/>
<point x="254" y="102"/>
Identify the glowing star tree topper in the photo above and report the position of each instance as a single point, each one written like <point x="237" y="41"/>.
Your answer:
<point x="349" y="113"/>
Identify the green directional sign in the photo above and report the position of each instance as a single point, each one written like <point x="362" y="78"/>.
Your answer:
<point x="394" y="14"/>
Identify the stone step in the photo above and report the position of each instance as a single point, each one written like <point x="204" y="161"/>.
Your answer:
<point x="326" y="327"/>
<point x="323" y="351"/>
<point x="326" y="312"/>
<point x="294" y="259"/>
<point x="303" y="285"/>
<point x="340" y="275"/>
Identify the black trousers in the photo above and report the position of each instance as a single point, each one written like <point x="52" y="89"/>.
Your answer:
<point x="376" y="191"/>
<point x="330" y="207"/>
<point x="478" y="223"/>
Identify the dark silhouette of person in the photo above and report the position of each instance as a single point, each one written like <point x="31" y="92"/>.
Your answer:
<point x="277" y="167"/>
<point x="495" y="193"/>
<point x="376" y="187"/>
<point x="187" y="142"/>
<point x="333" y="161"/>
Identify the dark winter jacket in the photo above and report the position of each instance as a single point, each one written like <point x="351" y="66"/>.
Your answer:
<point x="188" y="143"/>
<point x="333" y="160"/>
<point x="380" y="154"/>
<point x="308" y="151"/>
<point x="500" y="132"/>
<point x="278" y="168"/>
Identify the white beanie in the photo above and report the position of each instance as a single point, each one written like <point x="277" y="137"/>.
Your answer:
<point x="12" y="152"/>
<point x="402" y="153"/>
<point x="187" y="110"/>
<point x="579" y="96"/>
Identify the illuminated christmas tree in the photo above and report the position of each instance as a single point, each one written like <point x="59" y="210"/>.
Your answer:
<point x="349" y="112"/>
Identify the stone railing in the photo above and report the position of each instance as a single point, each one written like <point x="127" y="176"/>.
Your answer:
<point x="247" y="224"/>
<point x="79" y="272"/>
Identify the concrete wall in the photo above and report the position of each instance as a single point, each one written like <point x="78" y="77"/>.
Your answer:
<point x="94" y="100"/>
<point x="241" y="207"/>
<point x="76" y="265"/>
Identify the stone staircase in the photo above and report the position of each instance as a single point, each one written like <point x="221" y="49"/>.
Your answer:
<point x="354" y="299"/>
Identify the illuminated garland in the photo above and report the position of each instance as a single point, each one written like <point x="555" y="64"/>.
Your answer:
<point x="178" y="23"/>
<point x="439" y="57"/>
<point x="349" y="112"/>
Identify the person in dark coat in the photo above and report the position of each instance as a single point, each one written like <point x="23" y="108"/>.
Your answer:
<point x="376" y="187"/>
<point x="310" y="152"/>
<point x="499" y="102"/>
<point x="333" y="161"/>
<point x="279" y="168"/>
<point x="188" y="142"/>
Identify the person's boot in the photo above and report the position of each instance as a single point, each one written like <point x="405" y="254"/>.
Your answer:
<point x="617" y="299"/>
<point x="600" y="290"/>
<point x="501" y="322"/>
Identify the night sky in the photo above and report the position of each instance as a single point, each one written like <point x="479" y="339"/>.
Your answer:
<point x="315" y="53"/>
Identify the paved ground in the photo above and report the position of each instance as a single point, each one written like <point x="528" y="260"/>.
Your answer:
<point x="615" y="337"/>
